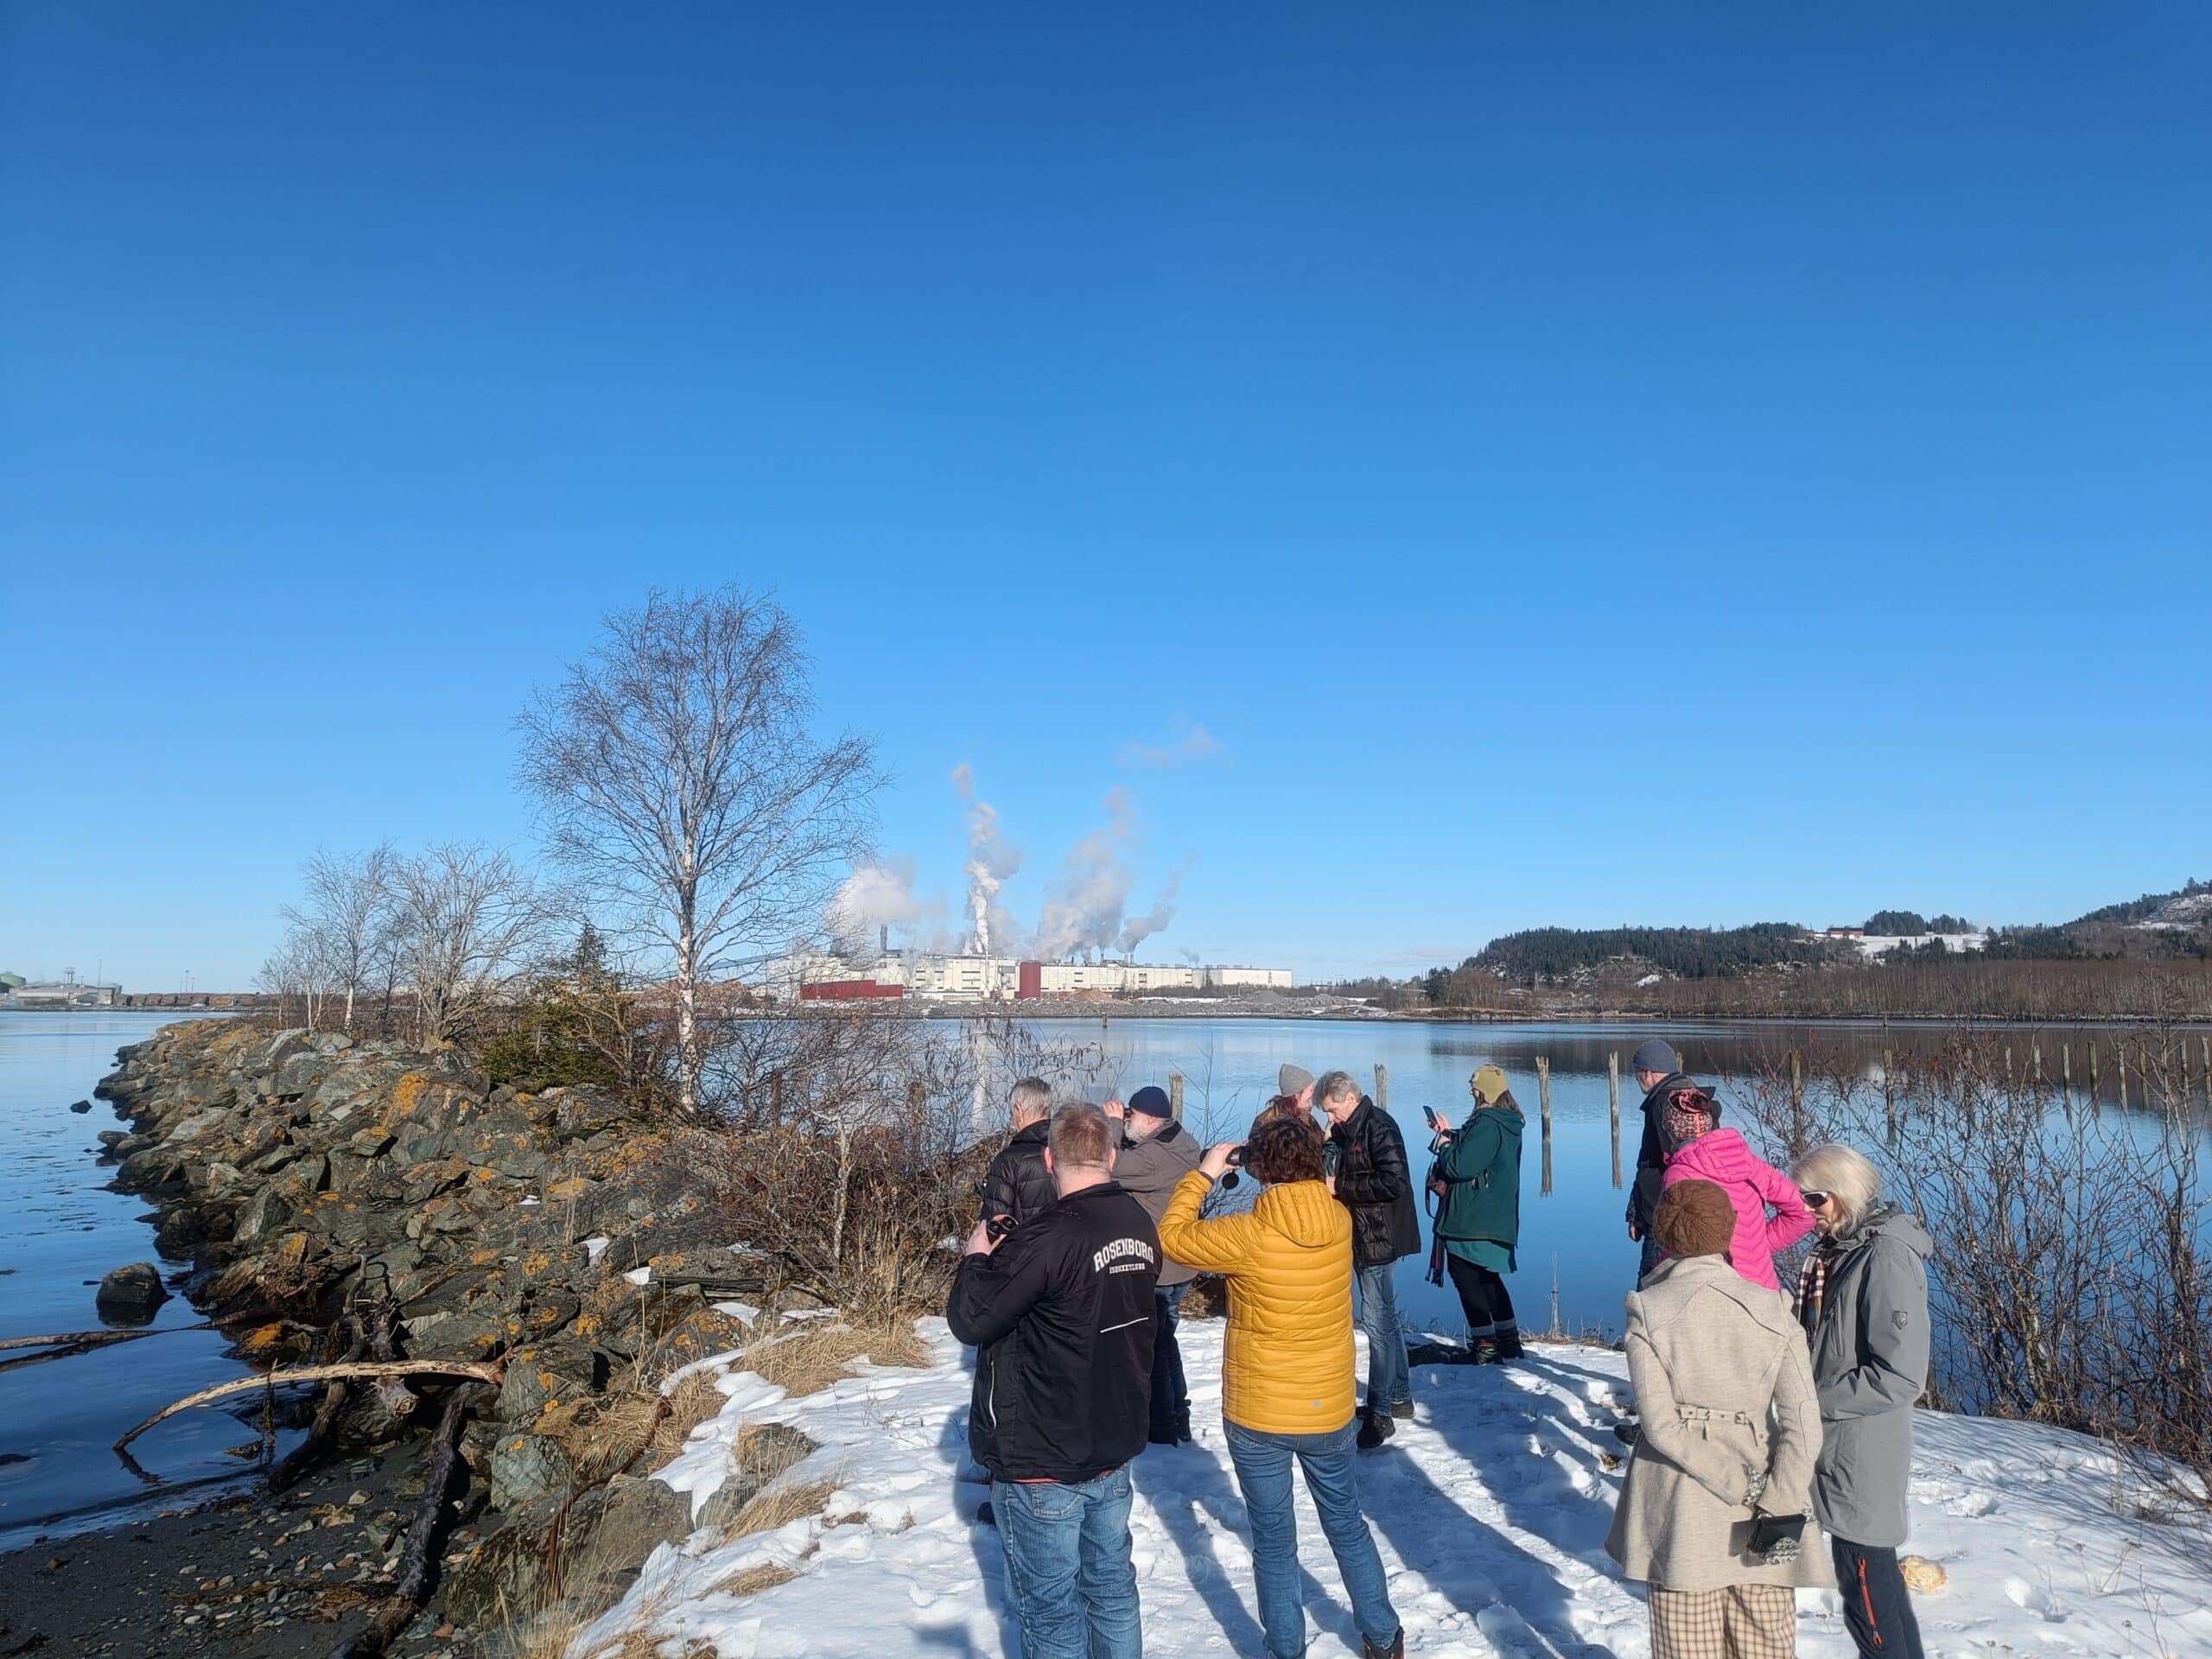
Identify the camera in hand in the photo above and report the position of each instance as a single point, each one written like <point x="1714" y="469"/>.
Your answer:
<point x="997" y="1227"/>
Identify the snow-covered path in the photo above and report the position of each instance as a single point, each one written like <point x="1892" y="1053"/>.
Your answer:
<point x="1490" y="1510"/>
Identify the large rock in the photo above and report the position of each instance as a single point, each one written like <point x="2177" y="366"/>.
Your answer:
<point x="131" y="1295"/>
<point x="526" y="1466"/>
<point x="632" y="1516"/>
<point x="264" y="1214"/>
<point x="762" y="1454"/>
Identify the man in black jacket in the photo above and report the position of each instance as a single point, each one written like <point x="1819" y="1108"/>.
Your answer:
<point x="1373" y="1181"/>
<point x="1062" y="1313"/>
<point x="1018" y="1185"/>
<point x="1658" y="1074"/>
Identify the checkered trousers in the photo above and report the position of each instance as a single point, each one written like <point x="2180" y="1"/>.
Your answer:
<point x="1743" y="1621"/>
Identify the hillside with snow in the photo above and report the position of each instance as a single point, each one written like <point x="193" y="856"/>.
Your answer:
<point x="1490" y="1508"/>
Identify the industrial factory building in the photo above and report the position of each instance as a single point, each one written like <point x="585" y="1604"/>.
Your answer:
<point x="1008" y="979"/>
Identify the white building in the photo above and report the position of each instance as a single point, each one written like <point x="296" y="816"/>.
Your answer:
<point x="1269" y="978"/>
<point x="994" y="979"/>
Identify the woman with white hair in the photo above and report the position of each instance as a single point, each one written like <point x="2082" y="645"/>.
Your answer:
<point x="1862" y="1297"/>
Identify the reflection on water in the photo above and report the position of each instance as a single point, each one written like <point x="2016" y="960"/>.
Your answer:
<point x="1577" y="1237"/>
<point x="61" y="1232"/>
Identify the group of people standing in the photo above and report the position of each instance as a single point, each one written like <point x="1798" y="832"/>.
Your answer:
<point x="1763" y="1421"/>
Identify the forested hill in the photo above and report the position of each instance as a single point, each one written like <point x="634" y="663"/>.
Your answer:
<point x="1553" y="953"/>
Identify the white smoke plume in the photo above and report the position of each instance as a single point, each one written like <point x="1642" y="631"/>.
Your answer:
<point x="1083" y="910"/>
<point x="1138" y="928"/>
<point x="874" y="897"/>
<point x="991" y="859"/>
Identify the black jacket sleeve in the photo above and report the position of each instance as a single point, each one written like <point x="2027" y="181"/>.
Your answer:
<point x="998" y="1187"/>
<point x="1384" y="1178"/>
<point x="991" y="1292"/>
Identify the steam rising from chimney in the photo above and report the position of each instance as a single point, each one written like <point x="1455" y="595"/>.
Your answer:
<point x="874" y="898"/>
<point x="1083" y="911"/>
<point x="1138" y="928"/>
<point x="991" y="860"/>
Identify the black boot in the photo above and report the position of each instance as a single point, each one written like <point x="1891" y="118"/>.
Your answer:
<point x="1397" y="1650"/>
<point x="1183" y="1425"/>
<point x="1509" y="1342"/>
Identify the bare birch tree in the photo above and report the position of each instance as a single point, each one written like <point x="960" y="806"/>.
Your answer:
<point x="301" y="968"/>
<point x="466" y="920"/>
<point x="346" y="912"/>
<point x="679" y="779"/>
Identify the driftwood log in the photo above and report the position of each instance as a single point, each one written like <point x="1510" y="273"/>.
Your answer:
<point x="470" y="1369"/>
<point x="418" y="1556"/>
<point x="304" y="1456"/>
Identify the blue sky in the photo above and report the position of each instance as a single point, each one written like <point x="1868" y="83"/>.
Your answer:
<point x="1580" y="465"/>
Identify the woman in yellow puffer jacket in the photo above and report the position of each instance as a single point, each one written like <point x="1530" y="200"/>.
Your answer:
<point x="1287" y="1370"/>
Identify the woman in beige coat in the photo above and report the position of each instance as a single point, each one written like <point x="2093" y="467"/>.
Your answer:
<point x="1732" y="1430"/>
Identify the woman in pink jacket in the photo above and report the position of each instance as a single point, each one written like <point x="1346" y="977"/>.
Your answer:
<point x="1770" y="1213"/>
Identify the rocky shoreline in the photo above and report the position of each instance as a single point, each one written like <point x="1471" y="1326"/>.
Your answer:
<point x="318" y="1186"/>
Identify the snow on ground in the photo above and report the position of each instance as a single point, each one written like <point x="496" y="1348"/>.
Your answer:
<point x="1490" y="1509"/>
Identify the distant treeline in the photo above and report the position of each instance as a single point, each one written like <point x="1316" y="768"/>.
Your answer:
<point x="1907" y="922"/>
<point x="1546" y="954"/>
<point x="1972" y="986"/>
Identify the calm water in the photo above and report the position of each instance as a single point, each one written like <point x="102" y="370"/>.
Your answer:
<point x="1578" y="1236"/>
<point x="62" y="1230"/>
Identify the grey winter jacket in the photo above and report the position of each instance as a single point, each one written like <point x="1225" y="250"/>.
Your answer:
<point x="1870" y="1364"/>
<point x="1721" y="1379"/>
<point x="1147" y="1171"/>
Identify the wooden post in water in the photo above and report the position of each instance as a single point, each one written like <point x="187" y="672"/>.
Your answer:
<point x="2066" y="1074"/>
<point x="2035" y="1062"/>
<point x="2008" y="1068"/>
<point x="1175" y="1094"/>
<point x="2096" y="1105"/>
<point x="1544" y="1088"/>
<point x="1382" y="1088"/>
<point x="1889" y="1090"/>
<point x="1797" y="1101"/>
<point x="2121" y="1047"/>
<point x="1613" y="1088"/>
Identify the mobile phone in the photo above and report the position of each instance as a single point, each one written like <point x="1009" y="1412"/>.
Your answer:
<point x="1434" y="1122"/>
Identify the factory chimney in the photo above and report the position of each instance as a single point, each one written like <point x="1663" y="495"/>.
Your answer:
<point x="886" y="937"/>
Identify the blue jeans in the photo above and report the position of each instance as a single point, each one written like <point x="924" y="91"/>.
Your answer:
<point x="1648" y="1256"/>
<point x="1067" y="1567"/>
<point x="1171" y="1393"/>
<point x="1374" y="1296"/>
<point x="1263" y="1463"/>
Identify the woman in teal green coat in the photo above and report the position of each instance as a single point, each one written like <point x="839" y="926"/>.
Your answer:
<point x="1479" y="1222"/>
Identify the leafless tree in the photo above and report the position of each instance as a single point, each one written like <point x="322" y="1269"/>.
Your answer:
<point x="465" y="920"/>
<point x="677" y="778"/>
<point x="299" y="973"/>
<point x="344" y="915"/>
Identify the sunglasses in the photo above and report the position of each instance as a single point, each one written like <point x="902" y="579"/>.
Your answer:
<point x="1813" y="1200"/>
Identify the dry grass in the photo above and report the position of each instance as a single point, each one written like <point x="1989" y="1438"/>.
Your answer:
<point x="818" y="1355"/>
<point x="690" y="1402"/>
<point x="754" y="1579"/>
<point x="780" y="1506"/>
